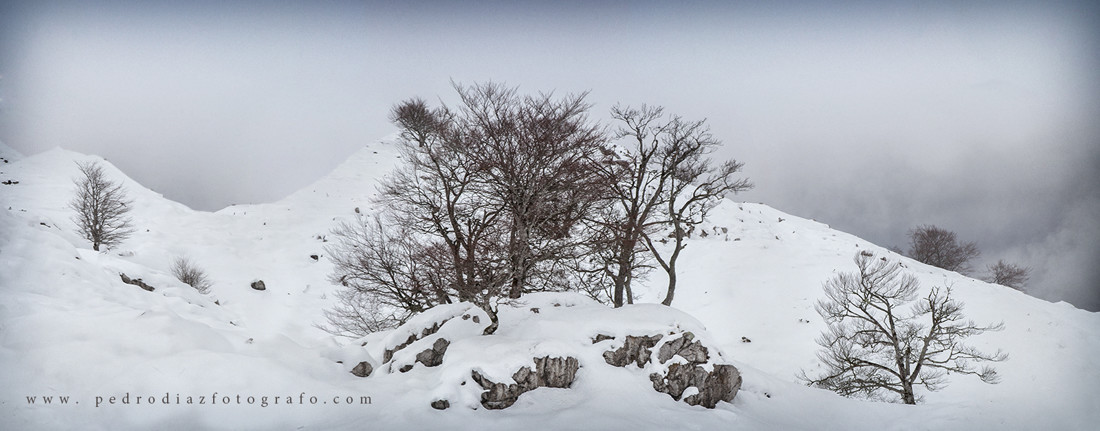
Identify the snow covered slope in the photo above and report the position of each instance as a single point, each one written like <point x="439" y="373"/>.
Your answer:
<point x="69" y="327"/>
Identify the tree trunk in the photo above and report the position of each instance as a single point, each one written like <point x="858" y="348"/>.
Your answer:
<point x="671" y="284"/>
<point x="671" y="267"/>
<point x="907" y="396"/>
<point x="617" y="297"/>
<point x="489" y="330"/>
<point x="622" y="279"/>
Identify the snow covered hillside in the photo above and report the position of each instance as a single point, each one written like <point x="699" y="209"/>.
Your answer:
<point x="70" y="328"/>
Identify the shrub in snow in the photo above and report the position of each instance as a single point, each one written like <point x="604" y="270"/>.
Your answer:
<point x="186" y="271"/>
<point x="875" y="349"/>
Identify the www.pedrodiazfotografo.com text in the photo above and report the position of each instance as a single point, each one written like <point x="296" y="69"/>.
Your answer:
<point x="211" y="399"/>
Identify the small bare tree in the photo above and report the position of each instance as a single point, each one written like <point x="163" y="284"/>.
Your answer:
<point x="635" y="186"/>
<point x="693" y="185"/>
<point x="875" y="349"/>
<point x="101" y="206"/>
<point x="939" y="247"/>
<point x="190" y="274"/>
<point x="1008" y="274"/>
<point x="388" y="272"/>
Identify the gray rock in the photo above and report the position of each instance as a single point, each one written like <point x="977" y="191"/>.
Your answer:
<point x="601" y="337"/>
<point x="259" y="285"/>
<point x="635" y="349"/>
<point x="434" y="356"/>
<point x="683" y="347"/>
<point x="363" y="369"/>
<point x="388" y="353"/>
<point x="136" y="282"/>
<point x="549" y="372"/>
<point x="441" y="404"/>
<point x="721" y="384"/>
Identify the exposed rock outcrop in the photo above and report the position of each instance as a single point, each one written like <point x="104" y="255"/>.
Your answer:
<point x="719" y="384"/>
<point x="634" y="350"/>
<point x="259" y="285"/>
<point x="136" y="282"/>
<point x="549" y="372"/>
<point x="434" y="356"/>
<point x="388" y="354"/>
<point x="685" y="348"/>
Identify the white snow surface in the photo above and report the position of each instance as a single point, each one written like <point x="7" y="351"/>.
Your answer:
<point x="69" y="327"/>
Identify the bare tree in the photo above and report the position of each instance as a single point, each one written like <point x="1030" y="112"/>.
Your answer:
<point x="692" y="186"/>
<point x="876" y="349"/>
<point x="418" y="122"/>
<point x="101" y="207"/>
<point x="939" y="247"/>
<point x="489" y="204"/>
<point x="1008" y="274"/>
<point x="438" y="196"/>
<point x="190" y="274"/>
<point x="635" y="186"/>
<point x="357" y="314"/>
<point x="534" y="157"/>
<point x="389" y="269"/>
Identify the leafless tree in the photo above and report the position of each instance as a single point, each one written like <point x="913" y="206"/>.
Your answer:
<point x="1008" y="274"/>
<point x="635" y="186"/>
<point x="388" y="268"/>
<point x="488" y="204"/>
<point x="357" y="314"/>
<point x="692" y="186"/>
<point x="101" y="207"/>
<point x="190" y="274"/>
<point x="939" y="247"/>
<point x="534" y="158"/>
<point x="418" y="122"/>
<point x="875" y="349"/>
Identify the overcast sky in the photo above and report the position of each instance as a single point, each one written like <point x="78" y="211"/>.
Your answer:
<point x="981" y="118"/>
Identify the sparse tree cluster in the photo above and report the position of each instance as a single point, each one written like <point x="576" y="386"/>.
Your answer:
<point x="883" y="340"/>
<point x="491" y="204"/>
<point x="939" y="247"/>
<point x="508" y="194"/>
<point x="659" y="181"/>
<point x="101" y="206"/>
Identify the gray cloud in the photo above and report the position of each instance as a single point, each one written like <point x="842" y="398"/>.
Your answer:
<point x="976" y="118"/>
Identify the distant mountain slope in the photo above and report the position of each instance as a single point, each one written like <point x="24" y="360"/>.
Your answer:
<point x="68" y="325"/>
